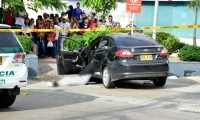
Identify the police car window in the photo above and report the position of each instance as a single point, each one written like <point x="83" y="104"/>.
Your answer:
<point x="8" y="39"/>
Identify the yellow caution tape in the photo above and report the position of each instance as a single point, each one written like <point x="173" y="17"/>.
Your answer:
<point x="102" y="29"/>
<point x="23" y="94"/>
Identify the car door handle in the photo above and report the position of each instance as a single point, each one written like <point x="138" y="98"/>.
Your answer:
<point x="75" y="59"/>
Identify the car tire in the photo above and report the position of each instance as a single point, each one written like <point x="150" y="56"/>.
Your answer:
<point x="106" y="78"/>
<point x="160" y="82"/>
<point x="6" y="100"/>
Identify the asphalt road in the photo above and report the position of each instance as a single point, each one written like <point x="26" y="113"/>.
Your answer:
<point x="178" y="100"/>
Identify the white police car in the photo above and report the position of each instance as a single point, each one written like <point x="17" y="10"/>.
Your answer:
<point x="13" y="71"/>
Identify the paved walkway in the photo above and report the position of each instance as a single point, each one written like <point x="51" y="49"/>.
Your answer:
<point x="47" y="69"/>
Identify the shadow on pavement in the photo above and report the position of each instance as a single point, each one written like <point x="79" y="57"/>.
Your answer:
<point x="147" y="84"/>
<point x="43" y="99"/>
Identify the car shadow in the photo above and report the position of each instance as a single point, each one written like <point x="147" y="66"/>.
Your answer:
<point x="148" y="84"/>
<point x="43" y="99"/>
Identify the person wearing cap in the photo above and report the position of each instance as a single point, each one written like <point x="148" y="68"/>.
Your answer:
<point x="64" y="25"/>
<point x="77" y="11"/>
<point x="130" y="26"/>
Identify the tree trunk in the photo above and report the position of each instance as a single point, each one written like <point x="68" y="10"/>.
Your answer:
<point x="195" y="23"/>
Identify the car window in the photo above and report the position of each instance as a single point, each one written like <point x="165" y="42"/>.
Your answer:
<point x="135" y="41"/>
<point x="96" y="44"/>
<point x="105" y="43"/>
<point x="8" y="39"/>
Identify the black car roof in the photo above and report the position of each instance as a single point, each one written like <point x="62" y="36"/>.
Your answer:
<point x="133" y="35"/>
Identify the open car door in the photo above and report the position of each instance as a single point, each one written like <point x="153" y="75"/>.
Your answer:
<point x="69" y="62"/>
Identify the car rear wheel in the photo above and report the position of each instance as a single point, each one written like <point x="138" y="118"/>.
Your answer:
<point x="160" y="82"/>
<point x="6" y="100"/>
<point x="107" y="79"/>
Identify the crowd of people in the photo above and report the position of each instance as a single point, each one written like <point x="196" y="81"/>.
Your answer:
<point x="46" y="42"/>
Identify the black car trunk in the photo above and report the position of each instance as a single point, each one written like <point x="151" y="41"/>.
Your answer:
<point x="145" y="55"/>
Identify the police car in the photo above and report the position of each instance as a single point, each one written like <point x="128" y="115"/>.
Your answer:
<point x="13" y="71"/>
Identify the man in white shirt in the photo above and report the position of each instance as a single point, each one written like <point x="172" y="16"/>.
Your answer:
<point x="110" y="22"/>
<point x="19" y="20"/>
<point x="64" y="25"/>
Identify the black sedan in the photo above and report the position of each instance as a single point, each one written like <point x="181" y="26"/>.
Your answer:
<point x="119" y="57"/>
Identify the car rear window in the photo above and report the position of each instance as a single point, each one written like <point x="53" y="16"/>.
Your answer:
<point x="8" y="39"/>
<point x="9" y="43"/>
<point x="136" y="41"/>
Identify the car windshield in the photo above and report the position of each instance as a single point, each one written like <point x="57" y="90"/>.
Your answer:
<point x="8" y="39"/>
<point x="9" y="43"/>
<point x="135" y="41"/>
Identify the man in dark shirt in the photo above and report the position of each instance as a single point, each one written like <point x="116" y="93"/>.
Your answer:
<point x="69" y="12"/>
<point x="85" y="24"/>
<point x="77" y="11"/>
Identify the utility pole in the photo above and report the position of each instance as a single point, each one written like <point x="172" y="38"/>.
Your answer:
<point x="155" y="18"/>
<point x="132" y="23"/>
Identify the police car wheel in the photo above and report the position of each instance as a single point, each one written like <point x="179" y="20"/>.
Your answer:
<point x="6" y="100"/>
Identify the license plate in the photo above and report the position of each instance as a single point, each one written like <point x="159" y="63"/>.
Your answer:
<point x="1" y="60"/>
<point x="146" y="57"/>
<point x="2" y="81"/>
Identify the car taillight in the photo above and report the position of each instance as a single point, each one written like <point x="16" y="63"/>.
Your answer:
<point x="19" y="58"/>
<point x="124" y="53"/>
<point x="164" y="52"/>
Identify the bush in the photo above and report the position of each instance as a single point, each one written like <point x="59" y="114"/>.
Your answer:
<point x="170" y="42"/>
<point x="181" y="45"/>
<point x="85" y="39"/>
<point x="26" y="43"/>
<point x="189" y="53"/>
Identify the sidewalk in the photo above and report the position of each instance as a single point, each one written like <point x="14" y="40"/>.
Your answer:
<point x="47" y="69"/>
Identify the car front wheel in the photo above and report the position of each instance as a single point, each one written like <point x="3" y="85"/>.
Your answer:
<point x="160" y="82"/>
<point x="6" y="100"/>
<point x="107" y="79"/>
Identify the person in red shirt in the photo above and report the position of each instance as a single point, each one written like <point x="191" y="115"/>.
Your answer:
<point x="9" y="17"/>
<point x="93" y="23"/>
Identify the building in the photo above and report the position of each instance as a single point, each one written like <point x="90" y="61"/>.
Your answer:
<point x="170" y="12"/>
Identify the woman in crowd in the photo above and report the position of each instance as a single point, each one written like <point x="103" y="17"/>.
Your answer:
<point x="117" y="25"/>
<point x="93" y="23"/>
<point x="26" y="26"/>
<point x="51" y="36"/>
<point x="52" y="17"/>
<point x="56" y="20"/>
<point x="74" y="25"/>
<point x="32" y="22"/>
<point x="40" y="40"/>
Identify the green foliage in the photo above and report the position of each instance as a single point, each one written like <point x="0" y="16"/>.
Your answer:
<point x="86" y="39"/>
<point x="46" y="4"/>
<point x="181" y="45"/>
<point x="35" y="5"/>
<point x="190" y="53"/>
<point x="194" y="4"/>
<point x="101" y="6"/>
<point x="26" y="43"/>
<point x="170" y="42"/>
<point x="15" y="4"/>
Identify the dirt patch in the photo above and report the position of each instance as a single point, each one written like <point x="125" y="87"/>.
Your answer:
<point x="175" y="59"/>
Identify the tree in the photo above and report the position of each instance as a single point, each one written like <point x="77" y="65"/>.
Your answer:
<point x="34" y="4"/>
<point x="195" y="5"/>
<point x="101" y="6"/>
